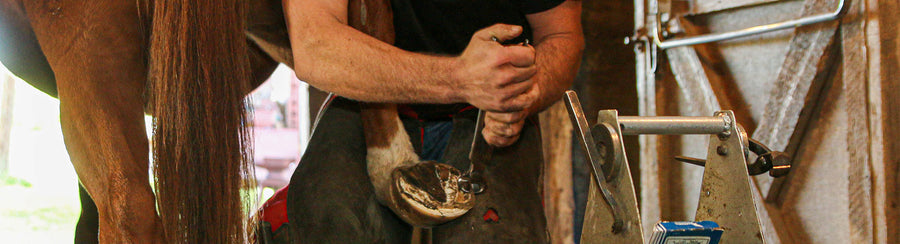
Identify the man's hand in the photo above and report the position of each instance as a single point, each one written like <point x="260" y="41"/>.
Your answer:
<point x="558" y="42"/>
<point x="495" y="77"/>
<point x="502" y="129"/>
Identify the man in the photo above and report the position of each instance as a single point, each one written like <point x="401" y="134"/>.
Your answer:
<point x="448" y="54"/>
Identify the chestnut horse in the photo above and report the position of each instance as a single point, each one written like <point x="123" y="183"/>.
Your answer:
<point x="189" y="64"/>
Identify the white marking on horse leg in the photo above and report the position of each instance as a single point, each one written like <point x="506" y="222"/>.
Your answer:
<point x="381" y="161"/>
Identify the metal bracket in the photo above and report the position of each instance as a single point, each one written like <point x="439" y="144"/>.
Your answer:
<point x="726" y="196"/>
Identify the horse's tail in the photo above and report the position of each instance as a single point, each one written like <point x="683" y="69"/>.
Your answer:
<point x="199" y="72"/>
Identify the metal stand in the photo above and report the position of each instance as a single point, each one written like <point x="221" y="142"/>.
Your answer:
<point x="726" y="196"/>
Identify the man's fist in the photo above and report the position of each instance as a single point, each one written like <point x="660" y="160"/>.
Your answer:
<point x="498" y="131"/>
<point x="495" y="77"/>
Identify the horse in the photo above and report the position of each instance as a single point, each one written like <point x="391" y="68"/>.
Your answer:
<point x="190" y="65"/>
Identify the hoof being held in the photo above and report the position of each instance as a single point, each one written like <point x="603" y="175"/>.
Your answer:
<point x="427" y="194"/>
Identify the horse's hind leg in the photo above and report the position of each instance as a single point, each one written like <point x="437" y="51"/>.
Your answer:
<point x="422" y="193"/>
<point x="95" y="50"/>
<point x="22" y="55"/>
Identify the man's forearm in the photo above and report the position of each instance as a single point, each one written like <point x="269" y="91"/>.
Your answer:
<point x="334" y="57"/>
<point x="559" y="42"/>
<point x="558" y="58"/>
<point x="337" y="58"/>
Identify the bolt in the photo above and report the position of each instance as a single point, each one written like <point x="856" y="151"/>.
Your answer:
<point x="727" y="119"/>
<point x="728" y="124"/>
<point x="781" y="164"/>
<point x="722" y="150"/>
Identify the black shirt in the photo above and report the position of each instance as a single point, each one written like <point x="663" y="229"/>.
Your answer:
<point x="446" y="26"/>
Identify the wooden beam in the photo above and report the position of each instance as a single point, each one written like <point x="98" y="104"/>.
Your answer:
<point x="854" y="80"/>
<point x="709" y="6"/>
<point x="880" y="174"/>
<point x="7" y="93"/>
<point x="556" y="131"/>
<point x="885" y="58"/>
<point x="796" y="89"/>
<point x="646" y="89"/>
<point x="692" y="81"/>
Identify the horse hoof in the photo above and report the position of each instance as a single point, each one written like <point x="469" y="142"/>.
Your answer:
<point x="427" y="194"/>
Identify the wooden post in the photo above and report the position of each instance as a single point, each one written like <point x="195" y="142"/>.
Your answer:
<point x="556" y="131"/>
<point x="7" y="92"/>
<point x="646" y="89"/>
<point x="854" y="80"/>
<point x="884" y="47"/>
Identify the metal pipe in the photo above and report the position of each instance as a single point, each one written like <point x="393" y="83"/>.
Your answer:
<point x="714" y="37"/>
<point x="672" y="125"/>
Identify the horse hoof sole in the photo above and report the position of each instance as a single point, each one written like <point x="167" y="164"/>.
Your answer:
<point x="427" y="194"/>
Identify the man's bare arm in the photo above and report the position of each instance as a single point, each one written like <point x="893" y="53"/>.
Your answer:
<point x="334" y="57"/>
<point x="559" y="42"/>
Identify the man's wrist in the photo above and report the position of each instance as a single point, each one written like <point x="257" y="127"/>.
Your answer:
<point x="449" y="71"/>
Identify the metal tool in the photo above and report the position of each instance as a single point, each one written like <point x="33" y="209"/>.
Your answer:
<point x="479" y="155"/>
<point x="523" y="43"/>
<point x="776" y="163"/>
<point x="726" y="194"/>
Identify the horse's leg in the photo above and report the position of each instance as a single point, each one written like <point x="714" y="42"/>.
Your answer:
<point x="330" y="199"/>
<point x="423" y="194"/>
<point x="95" y="50"/>
<point x="22" y="55"/>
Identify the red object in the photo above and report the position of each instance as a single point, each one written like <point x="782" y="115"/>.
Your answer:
<point x="274" y="210"/>
<point x="491" y="216"/>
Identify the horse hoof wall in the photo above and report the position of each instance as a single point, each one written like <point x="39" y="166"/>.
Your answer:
<point x="427" y="194"/>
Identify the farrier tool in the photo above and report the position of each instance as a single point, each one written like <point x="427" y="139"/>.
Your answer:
<point x="479" y="155"/>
